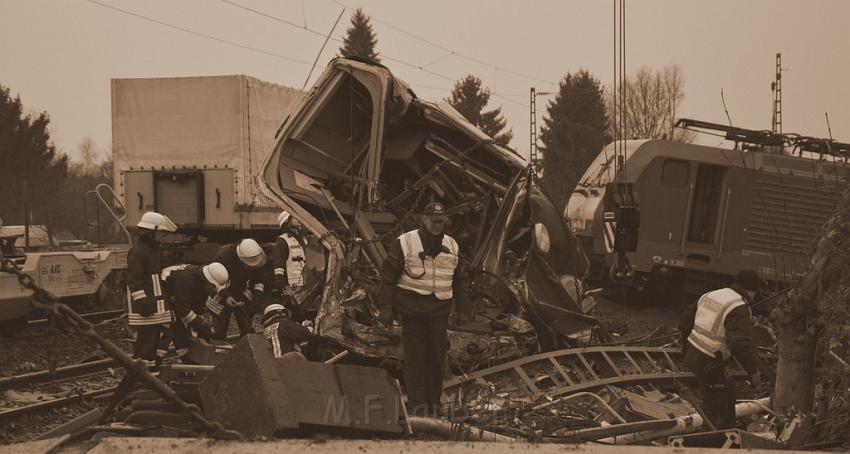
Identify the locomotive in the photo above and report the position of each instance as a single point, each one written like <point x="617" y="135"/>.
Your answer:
<point x="704" y="213"/>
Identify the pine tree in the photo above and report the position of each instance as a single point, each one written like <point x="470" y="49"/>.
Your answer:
<point x="360" y="39"/>
<point x="470" y="97"/>
<point x="31" y="170"/>
<point x="574" y="132"/>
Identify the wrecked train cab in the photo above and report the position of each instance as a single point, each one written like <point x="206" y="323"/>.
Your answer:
<point x="361" y="157"/>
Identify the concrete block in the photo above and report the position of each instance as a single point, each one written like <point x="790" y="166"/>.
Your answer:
<point x="259" y="395"/>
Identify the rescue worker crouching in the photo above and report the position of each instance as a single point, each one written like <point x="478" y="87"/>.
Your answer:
<point x="717" y="328"/>
<point x="245" y="262"/>
<point x="147" y="309"/>
<point x="190" y="288"/>
<point x="422" y="278"/>
<point x="287" y="337"/>
<point x="288" y="260"/>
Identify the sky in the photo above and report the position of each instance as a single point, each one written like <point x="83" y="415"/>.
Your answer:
<point x="59" y="56"/>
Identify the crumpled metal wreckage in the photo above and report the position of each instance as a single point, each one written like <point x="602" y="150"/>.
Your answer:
<point x="356" y="161"/>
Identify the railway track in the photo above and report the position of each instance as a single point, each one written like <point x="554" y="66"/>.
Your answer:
<point x="59" y="402"/>
<point x="61" y="373"/>
<point x="91" y="316"/>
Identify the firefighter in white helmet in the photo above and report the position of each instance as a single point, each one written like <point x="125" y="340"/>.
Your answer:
<point x="287" y="257"/>
<point x="287" y="337"/>
<point x="250" y="278"/>
<point x="190" y="288"/>
<point x="147" y="308"/>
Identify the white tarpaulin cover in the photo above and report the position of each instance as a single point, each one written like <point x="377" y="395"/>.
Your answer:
<point x="197" y="122"/>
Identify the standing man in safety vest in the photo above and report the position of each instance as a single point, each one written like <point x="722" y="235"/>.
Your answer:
<point x="288" y="256"/>
<point x="245" y="262"/>
<point x="189" y="288"/>
<point x="422" y="277"/>
<point x="147" y="309"/>
<point x="718" y="328"/>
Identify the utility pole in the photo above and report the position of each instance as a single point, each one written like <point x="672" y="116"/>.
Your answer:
<point x="533" y="157"/>
<point x="776" y="87"/>
<point x="532" y="149"/>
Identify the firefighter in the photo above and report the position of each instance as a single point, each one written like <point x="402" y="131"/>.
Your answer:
<point x="245" y="262"/>
<point x="189" y="289"/>
<point x="287" y="337"/>
<point x="147" y="309"/>
<point x="422" y="279"/>
<point x="718" y="327"/>
<point x="288" y="258"/>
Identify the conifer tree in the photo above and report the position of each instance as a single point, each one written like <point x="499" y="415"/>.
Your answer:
<point x="574" y="132"/>
<point x="360" y="39"/>
<point x="470" y="97"/>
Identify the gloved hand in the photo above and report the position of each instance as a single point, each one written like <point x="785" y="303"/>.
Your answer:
<point x="200" y="328"/>
<point x="233" y="302"/>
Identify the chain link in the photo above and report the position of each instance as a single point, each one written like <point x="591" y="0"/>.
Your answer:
<point x="42" y="299"/>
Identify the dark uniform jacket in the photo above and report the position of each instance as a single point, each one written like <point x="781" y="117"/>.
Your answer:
<point x="739" y="328"/>
<point x="259" y="279"/>
<point x="187" y="291"/>
<point x="407" y="302"/>
<point x="147" y="305"/>
<point x="285" y="334"/>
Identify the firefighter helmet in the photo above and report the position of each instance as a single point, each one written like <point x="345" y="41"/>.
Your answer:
<point x="216" y="274"/>
<point x="152" y="220"/>
<point x="283" y="217"/>
<point x="250" y="253"/>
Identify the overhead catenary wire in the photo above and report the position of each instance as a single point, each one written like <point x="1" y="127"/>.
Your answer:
<point x="447" y="49"/>
<point x="399" y="61"/>
<point x="200" y="34"/>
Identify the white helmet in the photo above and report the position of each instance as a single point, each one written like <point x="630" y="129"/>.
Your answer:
<point x="283" y="217"/>
<point x="216" y="274"/>
<point x="250" y="253"/>
<point x="152" y="220"/>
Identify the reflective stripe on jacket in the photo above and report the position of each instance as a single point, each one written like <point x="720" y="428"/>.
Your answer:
<point x="428" y="275"/>
<point x="295" y="262"/>
<point x="709" y="333"/>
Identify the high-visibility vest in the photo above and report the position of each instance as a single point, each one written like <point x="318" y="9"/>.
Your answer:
<point x="709" y="333"/>
<point x="428" y="275"/>
<point x="295" y="262"/>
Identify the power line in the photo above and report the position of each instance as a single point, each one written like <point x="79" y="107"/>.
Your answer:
<point x="281" y="20"/>
<point x="203" y="35"/>
<point x="385" y="56"/>
<point x="273" y="54"/>
<point x="453" y="52"/>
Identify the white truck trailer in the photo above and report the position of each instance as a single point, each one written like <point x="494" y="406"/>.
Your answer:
<point x="191" y="148"/>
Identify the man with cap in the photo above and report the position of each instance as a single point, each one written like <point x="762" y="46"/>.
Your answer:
<point x="147" y="310"/>
<point x="245" y="262"/>
<point x="422" y="279"/>
<point x="714" y="330"/>
<point x="189" y="289"/>
<point x="287" y="257"/>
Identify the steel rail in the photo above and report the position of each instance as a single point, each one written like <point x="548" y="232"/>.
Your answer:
<point x="46" y="405"/>
<point x="61" y="373"/>
<point x="92" y="316"/>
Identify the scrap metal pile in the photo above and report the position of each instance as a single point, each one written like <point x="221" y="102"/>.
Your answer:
<point x="357" y="161"/>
